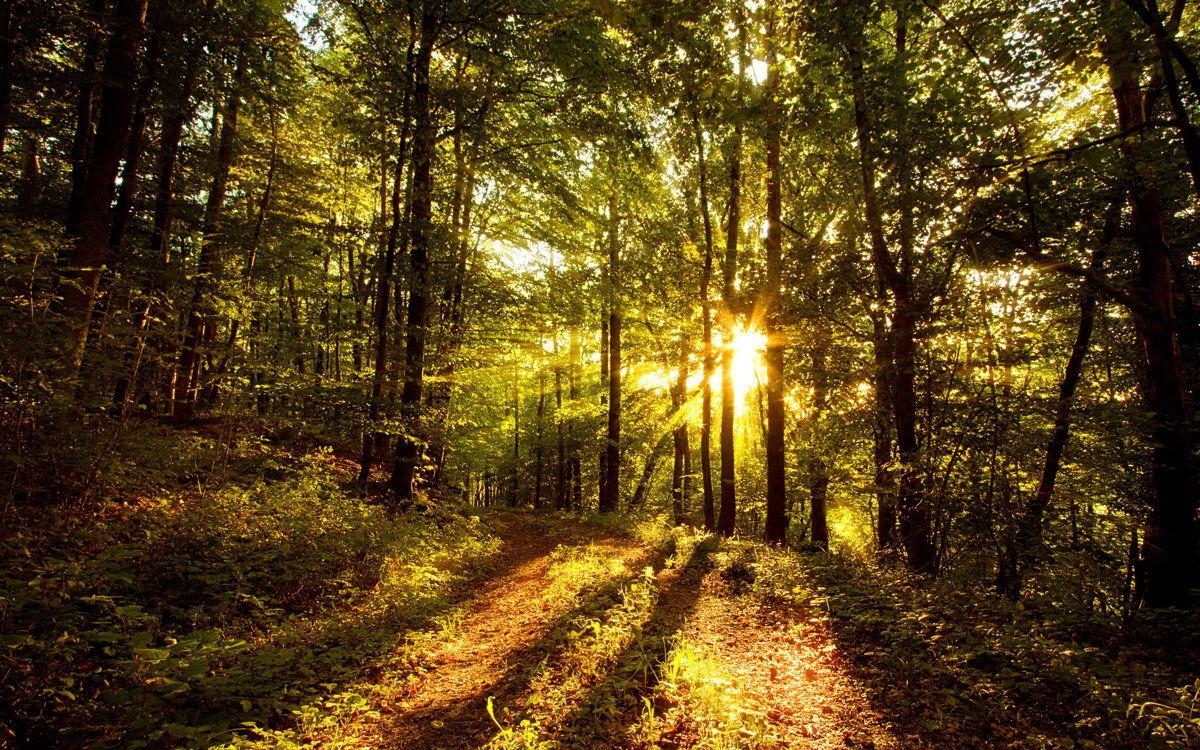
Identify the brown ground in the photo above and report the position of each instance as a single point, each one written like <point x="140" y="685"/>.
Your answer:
<point x="780" y="656"/>
<point x="508" y="619"/>
<point x="783" y="659"/>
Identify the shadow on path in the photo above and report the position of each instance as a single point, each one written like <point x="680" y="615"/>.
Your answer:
<point x="510" y="625"/>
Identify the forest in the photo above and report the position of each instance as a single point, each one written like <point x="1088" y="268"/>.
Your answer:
<point x="599" y="374"/>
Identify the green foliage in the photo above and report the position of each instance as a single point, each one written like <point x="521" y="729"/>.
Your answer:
<point x="193" y="614"/>
<point x="971" y="669"/>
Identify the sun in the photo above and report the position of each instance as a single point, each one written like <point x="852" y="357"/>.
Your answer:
<point x="747" y="345"/>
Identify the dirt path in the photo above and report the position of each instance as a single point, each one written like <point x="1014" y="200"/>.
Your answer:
<point x="507" y="621"/>
<point x="782" y="660"/>
<point x="778" y="671"/>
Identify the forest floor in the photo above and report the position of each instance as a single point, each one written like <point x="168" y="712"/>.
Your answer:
<point x="243" y="595"/>
<point x="767" y="670"/>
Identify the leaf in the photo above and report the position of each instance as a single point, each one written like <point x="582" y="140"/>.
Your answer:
<point x="151" y="654"/>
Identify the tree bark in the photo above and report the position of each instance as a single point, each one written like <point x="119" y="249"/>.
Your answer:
<point x="575" y="461"/>
<point x="727" y="517"/>
<point x="1169" y="553"/>
<point x="680" y="465"/>
<point x="408" y="448"/>
<point x="131" y="175"/>
<point x="386" y="269"/>
<point x="610" y="489"/>
<point x="7" y="48"/>
<point x="777" y="521"/>
<point x="915" y="526"/>
<point x="29" y="192"/>
<point x="818" y="470"/>
<point x="708" y="363"/>
<point x="202" y="321"/>
<point x="539" y="450"/>
<point x="85" y="103"/>
<point x="170" y="136"/>
<point x="80" y="280"/>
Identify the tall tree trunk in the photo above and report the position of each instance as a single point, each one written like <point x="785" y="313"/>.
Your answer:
<point x="539" y="452"/>
<point x="29" y="192"/>
<point x="561" y="496"/>
<point x="170" y="136"/>
<point x="80" y="280"/>
<point x="915" y="525"/>
<point x="575" y="461"/>
<point x="777" y="521"/>
<point x="452" y="295"/>
<point x="85" y="103"/>
<point x="708" y="364"/>
<point x="818" y="470"/>
<point x="680" y="465"/>
<point x="131" y="174"/>
<point x="385" y="271"/>
<point x="514" y="498"/>
<point x="610" y="490"/>
<point x="642" y="488"/>
<point x="602" y="461"/>
<point x="727" y="518"/>
<point x="728" y="510"/>
<point x="7" y="48"/>
<point x="260" y="218"/>
<point x="202" y="316"/>
<point x="885" y="483"/>
<point x="408" y="447"/>
<point x="1169" y="553"/>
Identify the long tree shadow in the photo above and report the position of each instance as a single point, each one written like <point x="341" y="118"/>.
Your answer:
<point x="307" y="663"/>
<point x="464" y="721"/>
<point x="600" y="717"/>
<point x="952" y="670"/>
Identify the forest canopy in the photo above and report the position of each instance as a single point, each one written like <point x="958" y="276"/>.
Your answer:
<point x="906" y="285"/>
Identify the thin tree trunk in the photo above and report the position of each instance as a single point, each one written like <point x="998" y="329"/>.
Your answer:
<point x="818" y="470"/>
<point x="7" y="45"/>
<point x="539" y="468"/>
<point x="777" y="520"/>
<point x="604" y="342"/>
<point x="642" y="488"/>
<point x="131" y="172"/>
<point x="561" y="496"/>
<point x="610" y="490"/>
<point x="514" y="498"/>
<point x="202" y="317"/>
<point x="386" y="268"/>
<point x="727" y="518"/>
<point x="160" y="231"/>
<point x="1020" y="558"/>
<point x="575" y="462"/>
<point x="29" y="192"/>
<point x="80" y="280"/>
<point x="680" y="465"/>
<point x="85" y="103"/>
<point x="885" y="483"/>
<point x="408" y="447"/>
<point x="708" y="364"/>
<point x="728" y="511"/>
<point x="915" y="527"/>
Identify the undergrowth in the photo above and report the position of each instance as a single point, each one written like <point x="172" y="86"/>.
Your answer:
<point x="191" y="616"/>
<point x="968" y="669"/>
